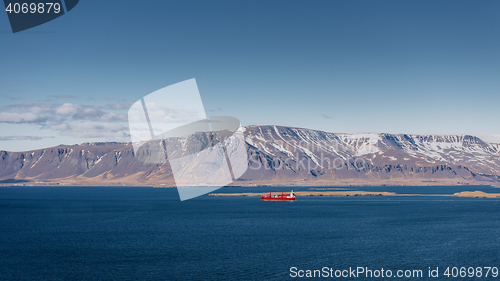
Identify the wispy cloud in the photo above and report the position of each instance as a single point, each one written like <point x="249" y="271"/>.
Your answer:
<point x="8" y="117"/>
<point x="64" y="97"/>
<point x="119" y="106"/>
<point x="21" y="138"/>
<point x="92" y="130"/>
<point x="43" y="113"/>
<point x="217" y="109"/>
<point x="11" y="97"/>
<point x="14" y="98"/>
<point x="114" y="99"/>
<point x="326" y="116"/>
<point x="76" y="120"/>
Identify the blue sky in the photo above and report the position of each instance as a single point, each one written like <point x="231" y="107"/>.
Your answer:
<point x="337" y="66"/>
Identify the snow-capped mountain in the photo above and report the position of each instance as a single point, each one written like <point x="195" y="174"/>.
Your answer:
<point x="281" y="156"/>
<point x="371" y="156"/>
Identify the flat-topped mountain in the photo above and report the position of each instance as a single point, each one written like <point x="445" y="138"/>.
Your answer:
<point x="279" y="156"/>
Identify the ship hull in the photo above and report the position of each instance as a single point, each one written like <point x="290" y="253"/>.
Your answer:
<point x="277" y="199"/>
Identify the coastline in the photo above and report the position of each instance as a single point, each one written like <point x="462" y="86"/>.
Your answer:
<point x="333" y="189"/>
<point x="240" y="183"/>
<point x="467" y="194"/>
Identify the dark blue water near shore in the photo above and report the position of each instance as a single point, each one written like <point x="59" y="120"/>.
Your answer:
<point x="125" y="233"/>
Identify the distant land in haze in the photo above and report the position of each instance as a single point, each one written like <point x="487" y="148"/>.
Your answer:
<point x="278" y="156"/>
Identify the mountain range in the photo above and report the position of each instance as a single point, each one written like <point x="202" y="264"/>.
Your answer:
<point x="278" y="155"/>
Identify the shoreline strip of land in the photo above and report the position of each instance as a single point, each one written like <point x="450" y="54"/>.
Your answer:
<point x="469" y="194"/>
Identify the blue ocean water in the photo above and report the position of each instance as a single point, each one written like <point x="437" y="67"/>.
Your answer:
<point x="142" y="233"/>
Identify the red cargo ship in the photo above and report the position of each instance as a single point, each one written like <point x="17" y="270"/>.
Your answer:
<point x="282" y="197"/>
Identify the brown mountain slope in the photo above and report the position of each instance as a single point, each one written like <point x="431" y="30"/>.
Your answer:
<point x="280" y="156"/>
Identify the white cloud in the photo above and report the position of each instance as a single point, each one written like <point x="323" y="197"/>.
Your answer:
<point x="94" y="130"/>
<point x="164" y="114"/>
<point x="7" y="117"/>
<point x="119" y="106"/>
<point x="67" y="108"/>
<point x="49" y="114"/>
<point x="82" y="121"/>
<point x="59" y="127"/>
<point x="15" y="138"/>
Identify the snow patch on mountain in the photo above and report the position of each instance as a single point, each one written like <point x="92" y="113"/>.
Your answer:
<point x="362" y="143"/>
